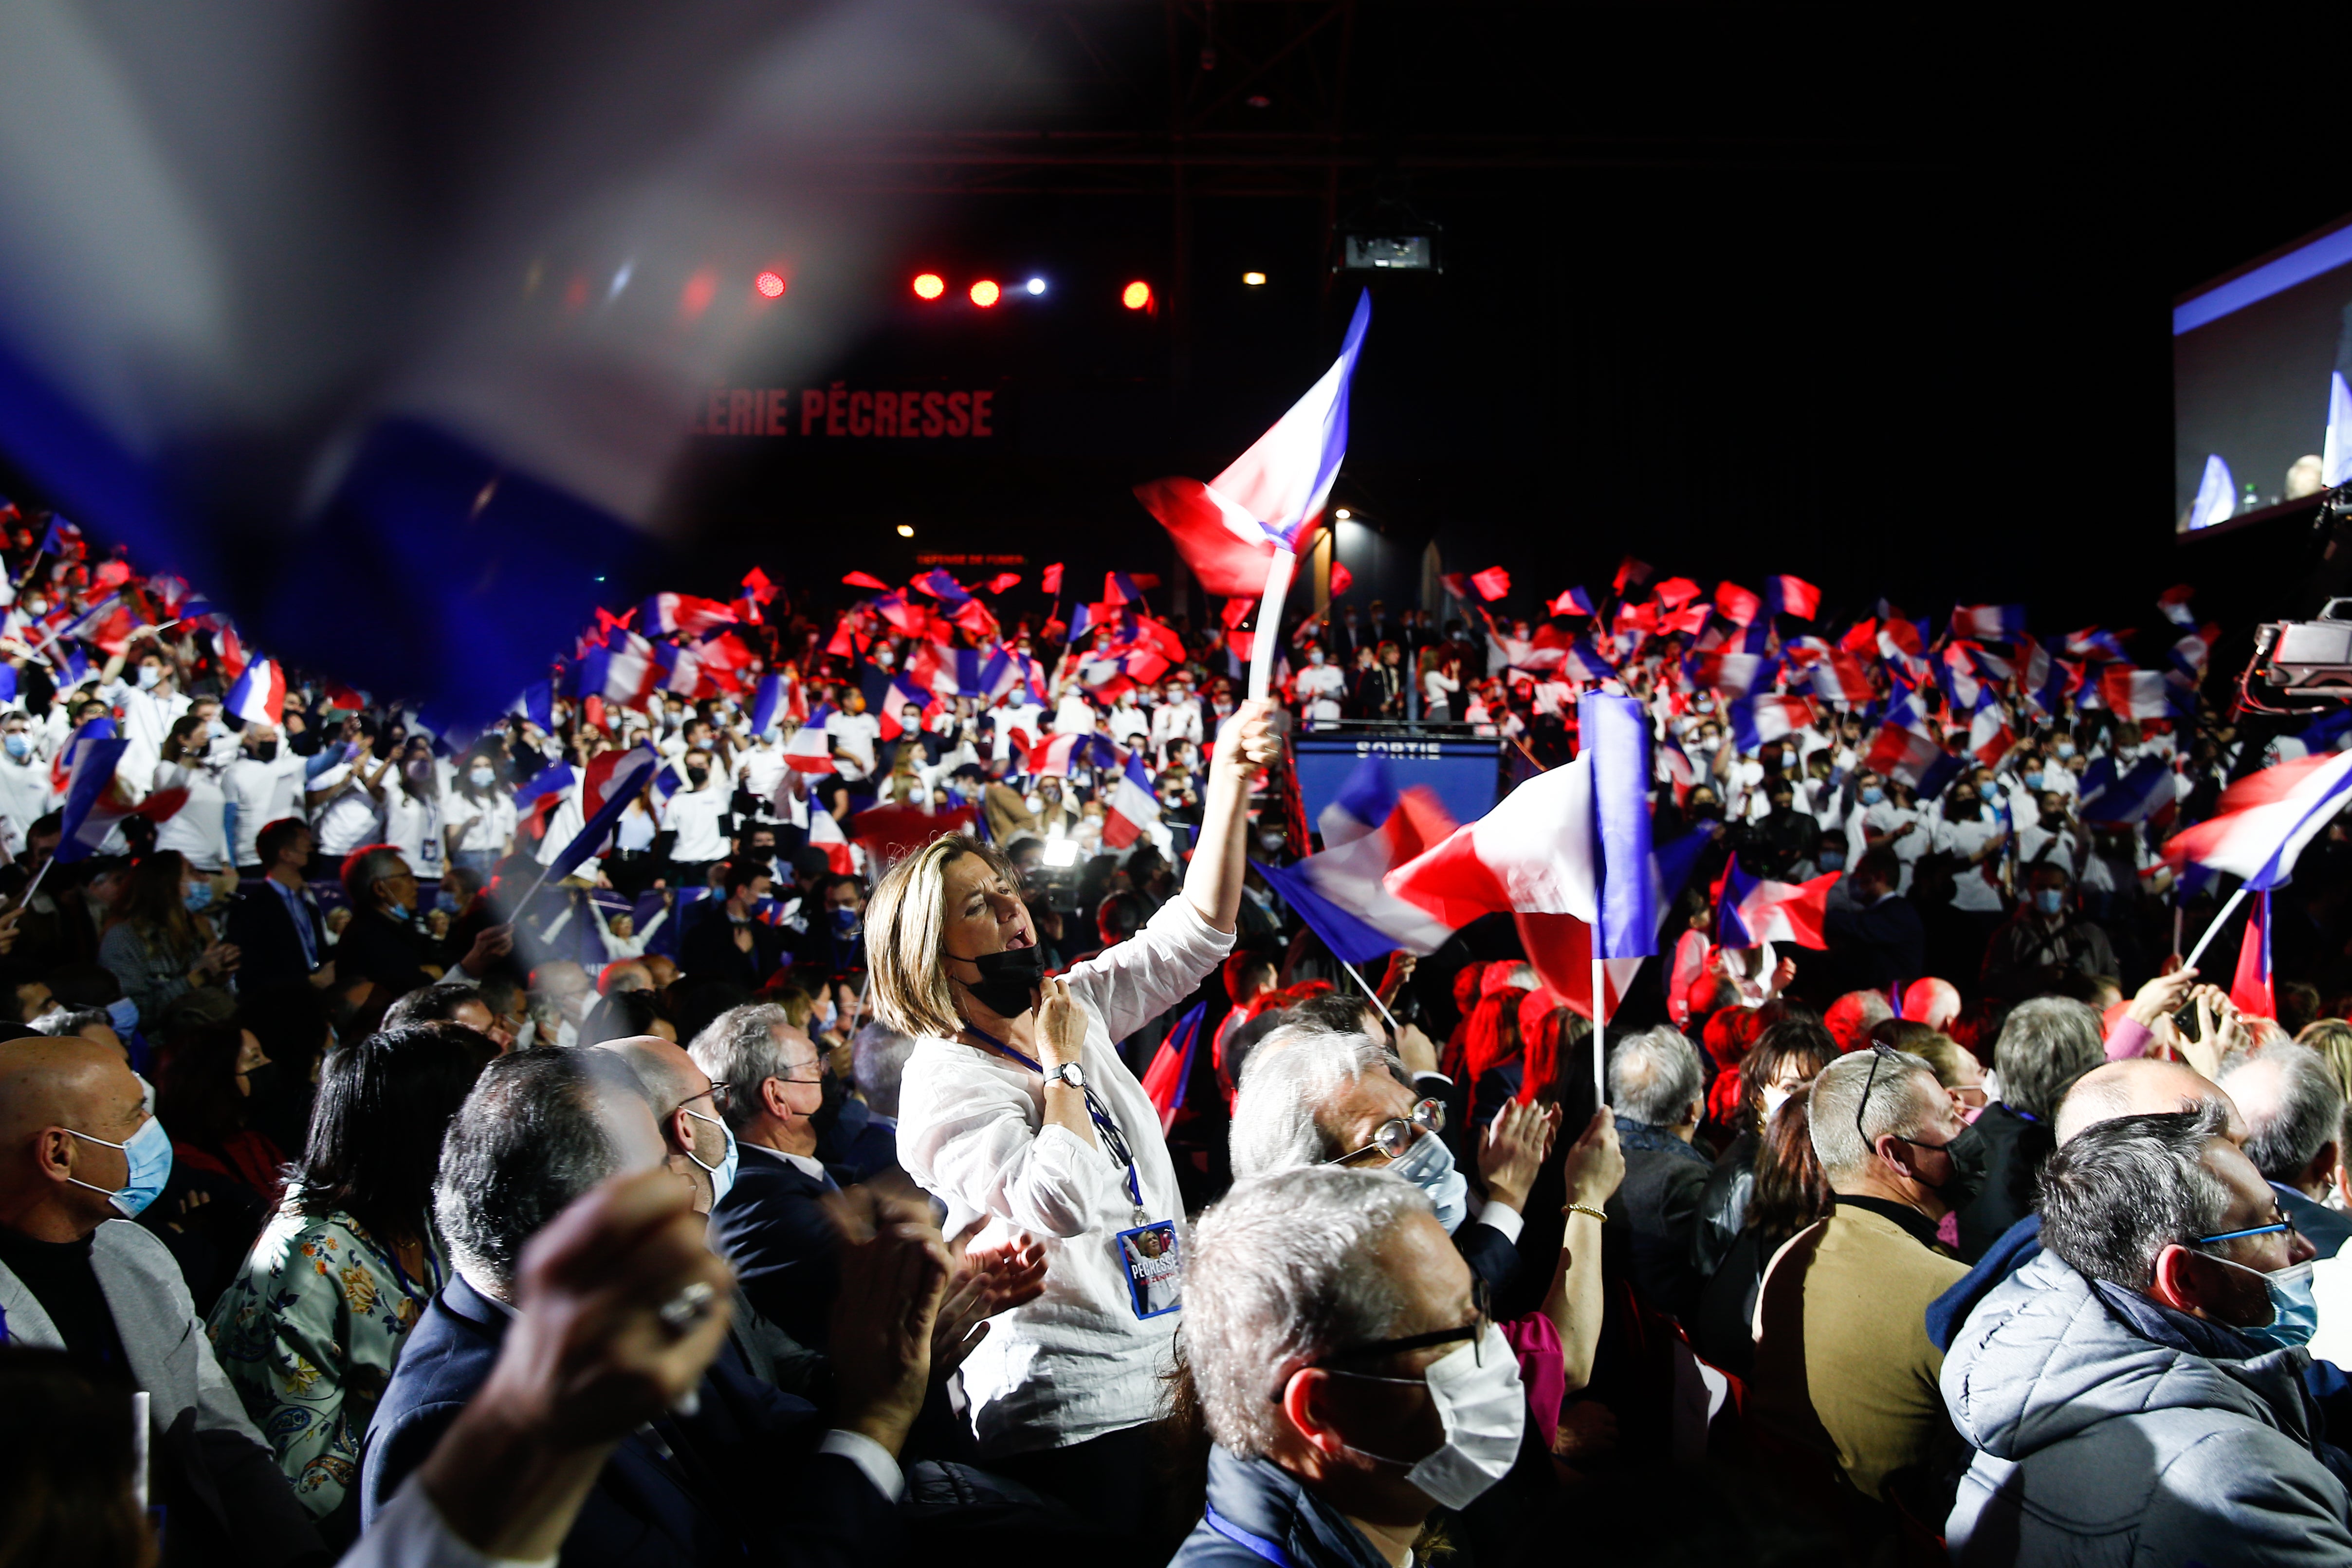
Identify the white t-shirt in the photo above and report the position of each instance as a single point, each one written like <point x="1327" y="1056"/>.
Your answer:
<point x="1319" y="687"/>
<point x="693" y="814"/>
<point x="25" y="796"/>
<point x="1972" y="890"/>
<point x="1075" y="716"/>
<point x="413" y="826"/>
<point x="858" y="733"/>
<point x="353" y="817"/>
<point x="487" y="823"/>
<point x="199" y="830"/>
<point x="265" y="793"/>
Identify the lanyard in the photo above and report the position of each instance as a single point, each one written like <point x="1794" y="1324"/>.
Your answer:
<point x="1114" y="1142"/>
<point x="1239" y="1537"/>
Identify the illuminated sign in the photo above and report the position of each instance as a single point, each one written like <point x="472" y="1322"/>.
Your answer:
<point x="840" y="412"/>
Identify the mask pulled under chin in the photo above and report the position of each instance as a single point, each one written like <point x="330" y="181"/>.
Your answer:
<point x="1008" y="980"/>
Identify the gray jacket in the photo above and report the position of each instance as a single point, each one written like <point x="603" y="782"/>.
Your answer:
<point x="2111" y="1430"/>
<point x="196" y="1420"/>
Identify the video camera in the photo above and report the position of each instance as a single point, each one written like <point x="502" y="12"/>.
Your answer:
<point x="2304" y="667"/>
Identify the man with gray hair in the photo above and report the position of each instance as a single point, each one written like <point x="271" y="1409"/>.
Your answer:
<point x="1657" y="1087"/>
<point x="1310" y="1097"/>
<point x="539" y="1129"/>
<point x="2293" y="1106"/>
<point x="1348" y="1371"/>
<point x="2046" y="1045"/>
<point x="2134" y="1393"/>
<point x="1844" y="1363"/>
<point x="771" y="1222"/>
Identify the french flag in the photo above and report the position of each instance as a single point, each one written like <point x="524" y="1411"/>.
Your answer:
<point x="904" y="693"/>
<point x="824" y="833"/>
<point x="96" y="802"/>
<point x="2044" y="680"/>
<point x="2144" y="693"/>
<point x="1574" y="601"/>
<point x="1493" y="584"/>
<point x="1369" y="830"/>
<point x="1057" y="754"/>
<point x="611" y="781"/>
<point x="2095" y="643"/>
<point x="1752" y="911"/>
<point x="1791" y="596"/>
<point x="685" y="615"/>
<point x="771" y="703"/>
<point x="1913" y="756"/>
<point x="2174" y="604"/>
<point x="622" y="671"/>
<point x="2265" y="820"/>
<point x="259" y="696"/>
<point x="537" y="704"/>
<point x="1840" y="678"/>
<point x="1272" y="495"/>
<point x="1734" y="674"/>
<point x="1132" y="810"/>
<point x="1988" y="623"/>
<point x="2249" y="989"/>
<point x="810" y="750"/>
<point x="550" y="781"/>
<point x="1736" y="604"/>
<point x="1756" y="720"/>
<point x="1585" y="662"/>
<point x="2135" y="796"/>
<point x="1171" y="1072"/>
<point x="940" y="585"/>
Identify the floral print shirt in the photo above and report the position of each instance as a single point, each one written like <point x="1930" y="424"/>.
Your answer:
<point x="308" y="1335"/>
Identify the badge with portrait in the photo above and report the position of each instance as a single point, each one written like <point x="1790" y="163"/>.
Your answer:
<point x="1149" y="1255"/>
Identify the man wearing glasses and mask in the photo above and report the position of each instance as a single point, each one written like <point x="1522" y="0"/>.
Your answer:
<point x="1347" y="1370"/>
<point x="2135" y="1392"/>
<point x="1843" y="1364"/>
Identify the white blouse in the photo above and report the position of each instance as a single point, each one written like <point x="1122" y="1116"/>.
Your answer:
<point x="1076" y="1363"/>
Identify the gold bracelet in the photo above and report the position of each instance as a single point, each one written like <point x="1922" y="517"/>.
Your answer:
<point x="1588" y="1208"/>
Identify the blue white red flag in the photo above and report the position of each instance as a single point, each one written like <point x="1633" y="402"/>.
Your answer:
<point x="1573" y="602"/>
<point x="2265" y="819"/>
<point x="259" y="696"/>
<point x="537" y="704"/>
<point x="96" y="801"/>
<point x="611" y="781"/>
<point x="1752" y="911"/>
<point x="1914" y="757"/>
<point x="904" y="693"/>
<point x="622" y="671"/>
<point x="1737" y="605"/>
<point x="941" y="584"/>
<point x="1369" y="830"/>
<point x="768" y="703"/>
<point x="1170" y="1075"/>
<point x="2131" y="693"/>
<point x="1756" y="720"/>
<point x="685" y="615"/>
<point x="1988" y="623"/>
<point x="2094" y="643"/>
<point x="551" y="779"/>
<point x="2174" y="603"/>
<point x="1273" y="494"/>
<point x="2250" y="990"/>
<point x="2135" y="796"/>
<point x="825" y="833"/>
<point x="1791" y="597"/>
<point x="1132" y="810"/>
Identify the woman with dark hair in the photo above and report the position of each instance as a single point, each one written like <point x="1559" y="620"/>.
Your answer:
<point x="1789" y="1194"/>
<point x="1490" y="1053"/>
<point x="310" y="1330"/>
<point x="1783" y="1060"/>
<point x="199" y="830"/>
<point x="158" y="945"/>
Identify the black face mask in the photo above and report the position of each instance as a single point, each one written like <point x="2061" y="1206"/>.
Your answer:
<point x="833" y="1094"/>
<point x="1008" y="980"/>
<point x="1970" y="1159"/>
<point x="266" y="752"/>
<point x="698" y="777"/>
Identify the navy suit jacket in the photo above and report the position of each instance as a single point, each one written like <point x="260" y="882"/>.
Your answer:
<point x="773" y="1228"/>
<point x="741" y="1480"/>
<point x="263" y="929"/>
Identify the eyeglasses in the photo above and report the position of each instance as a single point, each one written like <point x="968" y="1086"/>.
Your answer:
<point x="1879" y="1056"/>
<point x="721" y="1094"/>
<point x="2279" y="1223"/>
<point x="1475" y="1330"/>
<point x="1394" y="1136"/>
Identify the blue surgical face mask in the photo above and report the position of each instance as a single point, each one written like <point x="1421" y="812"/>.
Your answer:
<point x="2034" y="780"/>
<point x="1832" y="860"/>
<point x="2294" y="1313"/>
<point x="198" y="897"/>
<point x="19" y="746"/>
<point x="148" y="674"/>
<point x="2050" y="901"/>
<point x="2065" y="748"/>
<point x="1429" y="1166"/>
<point x="722" y="1174"/>
<point x="445" y="901"/>
<point x="399" y="911"/>
<point x="148" y="1151"/>
<point x="844" y="922"/>
<point x="1873" y="795"/>
<point x="123" y="1013"/>
<point x="482" y="777"/>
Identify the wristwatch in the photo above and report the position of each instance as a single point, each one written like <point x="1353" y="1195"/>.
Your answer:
<point x="1066" y="1073"/>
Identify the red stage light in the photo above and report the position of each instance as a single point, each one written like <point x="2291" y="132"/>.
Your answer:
<point x="1136" y="296"/>
<point x="986" y="293"/>
<point x="929" y="286"/>
<point x="771" y="285"/>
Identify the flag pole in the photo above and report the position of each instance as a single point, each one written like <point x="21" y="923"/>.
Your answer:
<point x="2219" y="920"/>
<point x="25" y="899"/>
<point x="1267" y="641"/>
<point x="1600" y="1016"/>
<point x="1371" y="995"/>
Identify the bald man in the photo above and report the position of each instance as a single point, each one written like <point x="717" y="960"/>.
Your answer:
<point x="695" y="1140"/>
<point x="1932" y="1001"/>
<point x="2136" y="1086"/>
<point x="79" y="1155"/>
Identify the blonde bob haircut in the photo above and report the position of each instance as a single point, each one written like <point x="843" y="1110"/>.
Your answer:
<point x="905" y="942"/>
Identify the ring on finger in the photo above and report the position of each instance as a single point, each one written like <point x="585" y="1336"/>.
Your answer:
<point x="692" y="1303"/>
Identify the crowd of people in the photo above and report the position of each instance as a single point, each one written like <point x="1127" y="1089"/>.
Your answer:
<point x="917" y="1125"/>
